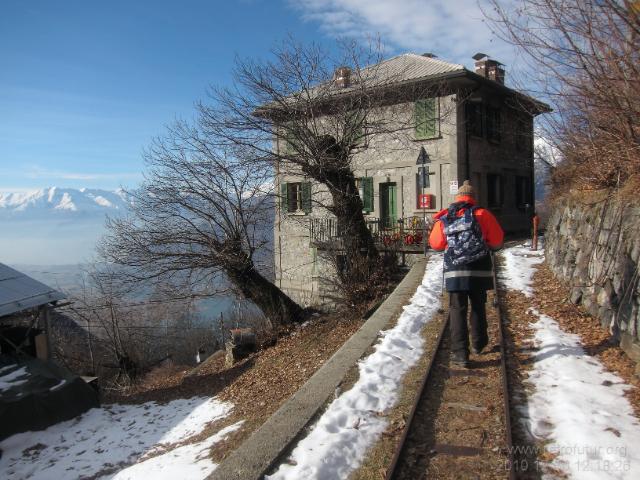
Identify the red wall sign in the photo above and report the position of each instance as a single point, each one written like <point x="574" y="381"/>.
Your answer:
<point x="425" y="200"/>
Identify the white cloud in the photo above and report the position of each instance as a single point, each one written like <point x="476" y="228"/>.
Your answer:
<point x="452" y="29"/>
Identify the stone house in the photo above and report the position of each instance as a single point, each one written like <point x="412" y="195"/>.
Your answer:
<point x="462" y="124"/>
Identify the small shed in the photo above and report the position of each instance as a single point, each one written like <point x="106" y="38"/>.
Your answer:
<point x="25" y="306"/>
<point x="34" y="392"/>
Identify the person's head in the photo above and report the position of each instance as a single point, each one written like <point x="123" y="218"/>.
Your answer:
<point x="465" y="192"/>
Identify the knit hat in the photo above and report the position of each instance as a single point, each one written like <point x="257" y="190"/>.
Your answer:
<point x="465" y="190"/>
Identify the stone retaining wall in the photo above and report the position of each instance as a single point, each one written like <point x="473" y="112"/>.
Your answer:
<point x="596" y="250"/>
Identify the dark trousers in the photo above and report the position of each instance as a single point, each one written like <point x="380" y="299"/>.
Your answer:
<point x="458" y="307"/>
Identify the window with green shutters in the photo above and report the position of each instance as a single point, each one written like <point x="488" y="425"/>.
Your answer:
<point x="305" y="197"/>
<point x="295" y="197"/>
<point x="365" y="188"/>
<point x="426" y="118"/>
<point x="287" y="144"/>
<point x="355" y="128"/>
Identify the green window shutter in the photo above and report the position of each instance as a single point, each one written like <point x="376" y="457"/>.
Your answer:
<point x="426" y="118"/>
<point x="367" y="194"/>
<point x="355" y="127"/>
<point x="284" y="200"/>
<point x="306" y="197"/>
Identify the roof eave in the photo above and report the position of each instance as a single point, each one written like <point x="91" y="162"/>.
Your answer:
<point x="536" y="106"/>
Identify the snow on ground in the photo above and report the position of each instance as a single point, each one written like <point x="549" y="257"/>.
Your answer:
<point x="338" y="442"/>
<point x="518" y="267"/>
<point x="104" y="440"/>
<point x="14" y="378"/>
<point x="576" y="407"/>
<point x="186" y="462"/>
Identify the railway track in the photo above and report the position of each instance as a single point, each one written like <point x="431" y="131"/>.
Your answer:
<point x="459" y="426"/>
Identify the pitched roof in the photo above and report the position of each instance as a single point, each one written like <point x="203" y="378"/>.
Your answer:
<point x="20" y="292"/>
<point x="404" y="69"/>
<point x="410" y="67"/>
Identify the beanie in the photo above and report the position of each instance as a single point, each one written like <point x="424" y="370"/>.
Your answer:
<point x="466" y="189"/>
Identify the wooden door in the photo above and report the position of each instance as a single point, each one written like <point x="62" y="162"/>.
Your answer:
<point x="388" y="204"/>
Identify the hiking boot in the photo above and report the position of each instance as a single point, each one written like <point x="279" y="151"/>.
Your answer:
<point x="459" y="360"/>
<point x="477" y="349"/>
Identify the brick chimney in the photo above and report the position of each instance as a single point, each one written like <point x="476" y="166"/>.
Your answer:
<point x="488" y="68"/>
<point x="342" y="77"/>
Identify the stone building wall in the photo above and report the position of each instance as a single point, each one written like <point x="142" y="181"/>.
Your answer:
<point x="596" y="250"/>
<point x="300" y="269"/>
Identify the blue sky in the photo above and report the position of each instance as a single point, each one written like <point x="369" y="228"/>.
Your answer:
<point x="85" y="85"/>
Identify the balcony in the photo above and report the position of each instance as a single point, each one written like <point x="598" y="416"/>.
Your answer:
<point x="404" y="235"/>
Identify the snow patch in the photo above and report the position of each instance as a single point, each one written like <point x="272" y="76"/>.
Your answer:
<point x="66" y="203"/>
<point x="576" y="407"/>
<point x="579" y="408"/>
<point x="339" y="440"/>
<point x="519" y="266"/>
<point x="108" y="439"/>
<point x="14" y="378"/>
<point x="103" y="202"/>
<point x="189" y="461"/>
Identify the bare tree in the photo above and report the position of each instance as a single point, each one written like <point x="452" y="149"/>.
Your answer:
<point x="201" y="215"/>
<point x="118" y="334"/>
<point x="311" y="114"/>
<point x="585" y="58"/>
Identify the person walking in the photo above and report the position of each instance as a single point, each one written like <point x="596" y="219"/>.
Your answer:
<point x="468" y="234"/>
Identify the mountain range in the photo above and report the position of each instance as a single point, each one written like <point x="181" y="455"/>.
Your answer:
<point x="62" y="202"/>
<point x="55" y="226"/>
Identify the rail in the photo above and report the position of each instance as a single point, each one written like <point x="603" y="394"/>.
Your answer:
<point x="394" y="467"/>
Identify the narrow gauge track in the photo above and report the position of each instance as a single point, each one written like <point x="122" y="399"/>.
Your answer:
<point x="459" y="425"/>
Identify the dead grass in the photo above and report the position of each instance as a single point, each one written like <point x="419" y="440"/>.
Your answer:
<point x="256" y="386"/>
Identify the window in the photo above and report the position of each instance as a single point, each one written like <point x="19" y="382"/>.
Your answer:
<point x="295" y="197"/>
<point x="355" y="128"/>
<point x="493" y="124"/>
<point x="289" y="139"/>
<point x="426" y="118"/>
<point x="523" y="193"/>
<point x="523" y="137"/>
<point x="495" y="190"/>
<point x="365" y="188"/>
<point x="475" y="119"/>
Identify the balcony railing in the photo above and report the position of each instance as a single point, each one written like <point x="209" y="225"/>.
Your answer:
<point x="388" y="233"/>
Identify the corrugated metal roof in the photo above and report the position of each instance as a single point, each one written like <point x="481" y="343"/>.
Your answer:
<point x="20" y="292"/>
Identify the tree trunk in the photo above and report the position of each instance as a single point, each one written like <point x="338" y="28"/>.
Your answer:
<point x="352" y="227"/>
<point x="272" y="301"/>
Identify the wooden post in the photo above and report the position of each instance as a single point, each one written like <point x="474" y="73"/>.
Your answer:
<point x="534" y="240"/>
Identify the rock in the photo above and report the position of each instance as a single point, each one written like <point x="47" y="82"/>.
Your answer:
<point x="603" y="297"/>
<point x="576" y="296"/>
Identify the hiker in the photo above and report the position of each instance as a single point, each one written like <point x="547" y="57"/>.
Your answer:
<point x="468" y="233"/>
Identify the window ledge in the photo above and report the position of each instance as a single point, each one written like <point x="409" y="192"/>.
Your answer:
<point x="299" y="213"/>
<point x="439" y="137"/>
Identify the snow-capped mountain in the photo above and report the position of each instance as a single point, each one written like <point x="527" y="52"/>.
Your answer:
<point x="53" y="226"/>
<point x="62" y="201"/>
